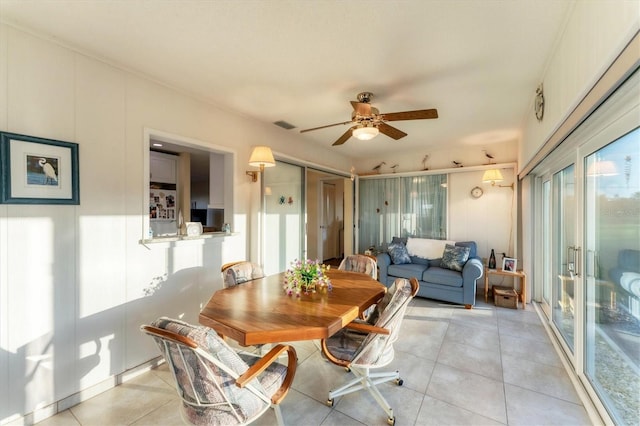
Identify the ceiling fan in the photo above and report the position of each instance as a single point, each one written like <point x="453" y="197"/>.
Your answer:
<point x="367" y="121"/>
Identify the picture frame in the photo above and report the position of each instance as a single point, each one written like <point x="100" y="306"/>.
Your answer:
<point x="509" y="264"/>
<point x="38" y="170"/>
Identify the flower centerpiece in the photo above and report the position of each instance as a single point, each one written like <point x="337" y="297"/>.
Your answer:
<point x="305" y="277"/>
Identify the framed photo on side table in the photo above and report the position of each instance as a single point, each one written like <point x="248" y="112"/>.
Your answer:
<point x="38" y="171"/>
<point x="509" y="264"/>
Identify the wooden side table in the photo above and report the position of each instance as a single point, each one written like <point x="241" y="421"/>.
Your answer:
<point x="517" y="274"/>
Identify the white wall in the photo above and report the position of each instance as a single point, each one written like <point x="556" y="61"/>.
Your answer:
<point x="595" y="34"/>
<point x="487" y="220"/>
<point x="75" y="284"/>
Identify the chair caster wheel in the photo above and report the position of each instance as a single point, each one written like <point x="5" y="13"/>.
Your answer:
<point x="399" y="382"/>
<point x="330" y="402"/>
<point x="391" y="421"/>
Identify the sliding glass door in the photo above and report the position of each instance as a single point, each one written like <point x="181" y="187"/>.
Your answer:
<point x="408" y="206"/>
<point x="283" y="209"/>
<point x="587" y="196"/>
<point x="564" y="276"/>
<point x="612" y="275"/>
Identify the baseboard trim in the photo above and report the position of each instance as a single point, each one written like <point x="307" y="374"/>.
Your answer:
<point x="50" y="410"/>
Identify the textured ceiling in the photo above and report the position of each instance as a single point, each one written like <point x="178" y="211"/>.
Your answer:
<point x="477" y="62"/>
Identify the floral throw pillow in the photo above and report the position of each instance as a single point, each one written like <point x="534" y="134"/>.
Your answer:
<point x="454" y="257"/>
<point x="399" y="254"/>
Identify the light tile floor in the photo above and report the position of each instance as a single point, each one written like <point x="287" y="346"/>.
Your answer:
<point x="485" y="366"/>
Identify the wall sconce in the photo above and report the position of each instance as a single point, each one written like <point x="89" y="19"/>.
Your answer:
<point x="262" y="157"/>
<point x="492" y="176"/>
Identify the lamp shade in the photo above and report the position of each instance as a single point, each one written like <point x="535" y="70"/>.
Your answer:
<point x="492" y="175"/>
<point x="365" y="133"/>
<point x="262" y="157"/>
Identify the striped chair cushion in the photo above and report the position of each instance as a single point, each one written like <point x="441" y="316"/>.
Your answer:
<point x="220" y="388"/>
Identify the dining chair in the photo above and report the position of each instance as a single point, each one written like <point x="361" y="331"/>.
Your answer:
<point x="235" y="273"/>
<point x="365" y="345"/>
<point x="218" y="385"/>
<point x="360" y="263"/>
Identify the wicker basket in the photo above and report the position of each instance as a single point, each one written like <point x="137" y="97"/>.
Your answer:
<point x="505" y="297"/>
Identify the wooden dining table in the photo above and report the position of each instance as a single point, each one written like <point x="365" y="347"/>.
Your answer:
<point x="259" y="311"/>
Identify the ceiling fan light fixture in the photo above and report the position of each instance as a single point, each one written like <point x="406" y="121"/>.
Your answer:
<point x="365" y="133"/>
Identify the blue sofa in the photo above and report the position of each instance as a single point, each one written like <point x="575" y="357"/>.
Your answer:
<point x="436" y="282"/>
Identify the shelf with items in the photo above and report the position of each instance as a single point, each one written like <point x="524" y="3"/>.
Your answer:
<point x="517" y="274"/>
<point x="176" y="238"/>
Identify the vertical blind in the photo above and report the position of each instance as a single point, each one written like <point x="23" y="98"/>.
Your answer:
<point x="401" y="207"/>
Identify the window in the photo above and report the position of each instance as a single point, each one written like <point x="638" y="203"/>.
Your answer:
<point x="188" y="182"/>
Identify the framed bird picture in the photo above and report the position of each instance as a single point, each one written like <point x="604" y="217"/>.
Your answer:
<point x="38" y="171"/>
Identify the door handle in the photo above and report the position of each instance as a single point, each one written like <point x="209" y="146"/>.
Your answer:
<point x="571" y="265"/>
<point x="574" y="265"/>
<point x="591" y="262"/>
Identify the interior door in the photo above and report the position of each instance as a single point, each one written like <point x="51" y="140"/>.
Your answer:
<point x="329" y="224"/>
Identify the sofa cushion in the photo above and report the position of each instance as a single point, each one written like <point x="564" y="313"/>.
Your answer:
<point x="442" y="276"/>
<point x="420" y="261"/>
<point x="454" y="257"/>
<point x="398" y="253"/>
<point x="426" y="248"/>
<point x="408" y="270"/>
<point x="473" y="252"/>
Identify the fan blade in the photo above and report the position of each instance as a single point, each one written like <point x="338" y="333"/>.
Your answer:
<point x="324" y="127"/>
<point x="420" y="114"/>
<point x="361" y="108"/>
<point x="342" y="139"/>
<point x="392" y="132"/>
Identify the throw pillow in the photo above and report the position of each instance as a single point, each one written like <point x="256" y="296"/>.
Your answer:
<point x="454" y="257"/>
<point x="399" y="254"/>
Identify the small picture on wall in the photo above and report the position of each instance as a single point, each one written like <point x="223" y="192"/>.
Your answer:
<point x="509" y="264"/>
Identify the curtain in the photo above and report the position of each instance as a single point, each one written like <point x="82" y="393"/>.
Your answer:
<point x="407" y="206"/>
<point x="379" y="212"/>
<point x="425" y="206"/>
